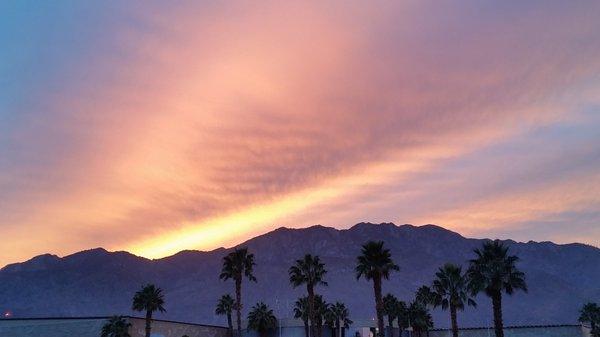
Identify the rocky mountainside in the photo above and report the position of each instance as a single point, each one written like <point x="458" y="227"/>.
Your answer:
<point x="97" y="282"/>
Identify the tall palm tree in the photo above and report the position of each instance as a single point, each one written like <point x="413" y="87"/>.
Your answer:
<point x="150" y="299"/>
<point x="494" y="271"/>
<point x="451" y="292"/>
<point x="309" y="271"/>
<point x="236" y="265"/>
<point x="590" y="313"/>
<point x="419" y="318"/>
<point x="301" y="312"/>
<point x="225" y="306"/>
<point x="261" y="319"/>
<point x="116" y="326"/>
<point x="337" y="317"/>
<point x="375" y="263"/>
<point x="390" y="309"/>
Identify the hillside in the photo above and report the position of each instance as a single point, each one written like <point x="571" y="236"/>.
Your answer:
<point x="98" y="282"/>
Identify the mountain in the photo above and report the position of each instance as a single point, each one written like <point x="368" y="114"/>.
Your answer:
<point x="97" y="282"/>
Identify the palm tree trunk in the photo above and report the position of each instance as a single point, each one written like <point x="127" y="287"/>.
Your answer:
<point x="391" y="325"/>
<point x="453" y="320"/>
<point x="378" y="304"/>
<point x="230" y="324"/>
<point x="148" y="322"/>
<point x="338" y="328"/>
<point x="238" y="305"/>
<point x="311" y="309"/>
<point x="497" y="305"/>
<point x="306" y="332"/>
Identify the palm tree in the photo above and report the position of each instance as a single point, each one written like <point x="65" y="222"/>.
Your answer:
<point x="426" y="297"/>
<point x="590" y="313"/>
<point x="419" y="318"/>
<point x="310" y="271"/>
<point x="116" y="326"/>
<point x="301" y="312"/>
<point x="390" y="304"/>
<point x="261" y="319"/>
<point x="375" y="263"/>
<point x="402" y="316"/>
<point x="225" y="307"/>
<point x="320" y="311"/>
<point x="451" y="291"/>
<point x="150" y="299"/>
<point x="337" y="317"/>
<point x="236" y="265"/>
<point x="493" y="271"/>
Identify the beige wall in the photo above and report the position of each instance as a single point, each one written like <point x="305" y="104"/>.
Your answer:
<point x="171" y="329"/>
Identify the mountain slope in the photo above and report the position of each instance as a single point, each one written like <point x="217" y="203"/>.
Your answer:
<point x="97" y="282"/>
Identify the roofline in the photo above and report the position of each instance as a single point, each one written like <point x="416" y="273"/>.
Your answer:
<point x="104" y="317"/>
<point x="515" y="327"/>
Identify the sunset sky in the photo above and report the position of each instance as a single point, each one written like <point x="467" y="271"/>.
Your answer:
<point x="155" y="127"/>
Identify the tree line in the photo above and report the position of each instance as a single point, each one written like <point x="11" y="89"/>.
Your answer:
<point x="492" y="271"/>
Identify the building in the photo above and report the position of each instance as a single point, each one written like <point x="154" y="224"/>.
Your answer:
<point x="91" y="327"/>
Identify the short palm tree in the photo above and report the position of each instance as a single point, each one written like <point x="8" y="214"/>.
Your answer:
<point x="309" y="271"/>
<point x="590" y="313"/>
<point x="419" y="318"/>
<point x="426" y="297"/>
<point x="149" y="299"/>
<point x="450" y="287"/>
<point x="390" y="309"/>
<point x="116" y="326"/>
<point x="375" y="263"/>
<point x="237" y="265"/>
<point x="494" y="271"/>
<point x="261" y="319"/>
<point x="225" y="306"/>
<point x="337" y="317"/>
<point x="301" y="312"/>
<point x="402" y="316"/>
<point x="320" y="311"/>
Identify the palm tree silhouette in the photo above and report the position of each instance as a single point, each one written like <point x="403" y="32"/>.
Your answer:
<point x="310" y="271"/>
<point x="493" y="271"/>
<point x="320" y="311"/>
<point x="225" y="307"/>
<point x="425" y="296"/>
<point x="451" y="292"/>
<point x="337" y="316"/>
<point x="375" y="263"/>
<point x="590" y="313"/>
<point x="236" y="265"/>
<point x="390" y="309"/>
<point x="150" y="299"/>
<point x="261" y="319"/>
<point x="419" y="318"/>
<point x="301" y="312"/>
<point x="116" y="326"/>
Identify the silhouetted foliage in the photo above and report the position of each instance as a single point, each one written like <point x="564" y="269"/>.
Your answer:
<point x="309" y="271"/>
<point x="116" y="326"/>
<point x="149" y="299"/>
<point x="375" y="263"/>
<point x="261" y="319"/>
<point x="236" y="265"/>
<point x="493" y="272"/>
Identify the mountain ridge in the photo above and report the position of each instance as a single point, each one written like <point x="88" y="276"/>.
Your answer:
<point x="99" y="282"/>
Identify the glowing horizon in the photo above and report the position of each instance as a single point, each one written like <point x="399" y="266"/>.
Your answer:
<point x="155" y="128"/>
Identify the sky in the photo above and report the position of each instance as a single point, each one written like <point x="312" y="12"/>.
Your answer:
<point x="155" y="127"/>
